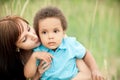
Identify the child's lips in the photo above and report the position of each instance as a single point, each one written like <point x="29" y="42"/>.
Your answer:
<point x="51" y="43"/>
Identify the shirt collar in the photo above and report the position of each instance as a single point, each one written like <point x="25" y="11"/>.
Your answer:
<point x="62" y="45"/>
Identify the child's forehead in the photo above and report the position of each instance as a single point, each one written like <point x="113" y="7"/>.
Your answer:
<point x="50" y="20"/>
<point x="53" y="23"/>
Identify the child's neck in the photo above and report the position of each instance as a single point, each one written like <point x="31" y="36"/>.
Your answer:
<point x="54" y="49"/>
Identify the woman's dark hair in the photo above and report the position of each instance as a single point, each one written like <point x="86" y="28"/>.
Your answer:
<point x="49" y="12"/>
<point x="11" y="66"/>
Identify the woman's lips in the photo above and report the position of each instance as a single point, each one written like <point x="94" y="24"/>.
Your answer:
<point x="37" y="41"/>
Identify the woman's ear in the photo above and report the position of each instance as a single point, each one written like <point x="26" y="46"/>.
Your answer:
<point x="17" y="49"/>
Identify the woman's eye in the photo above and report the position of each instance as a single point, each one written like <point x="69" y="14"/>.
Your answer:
<point x="24" y="39"/>
<point x="28" y="28"/>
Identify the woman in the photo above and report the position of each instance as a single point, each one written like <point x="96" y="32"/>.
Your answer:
<point x="17" y="39"/>
<point x="10" y="63"/>
<point x="12" y="58"/>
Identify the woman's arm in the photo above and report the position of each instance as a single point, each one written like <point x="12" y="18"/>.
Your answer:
<point x="30" y="67"/>
<point x="84" y="71"/>
<point x="40" y="70"/>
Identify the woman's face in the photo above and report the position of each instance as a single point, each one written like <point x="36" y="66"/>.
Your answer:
<point x="28" y="38"/>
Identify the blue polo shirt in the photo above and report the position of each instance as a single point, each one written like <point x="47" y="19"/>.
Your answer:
<point x="63" y="66"/>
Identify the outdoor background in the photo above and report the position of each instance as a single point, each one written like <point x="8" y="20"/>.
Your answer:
<point x="95" y="23"/>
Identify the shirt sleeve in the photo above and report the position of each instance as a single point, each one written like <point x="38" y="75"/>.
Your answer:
<point x="81" y="50"/>
<point x="78" y="49"/>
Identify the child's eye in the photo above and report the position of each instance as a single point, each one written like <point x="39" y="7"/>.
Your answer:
<point x="44" y="32"/>
<point x="55" y="31"/>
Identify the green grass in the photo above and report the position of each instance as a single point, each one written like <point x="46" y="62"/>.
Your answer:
<point x="95" y="23"/>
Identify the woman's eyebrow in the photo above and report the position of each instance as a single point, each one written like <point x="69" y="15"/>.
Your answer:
<point x="21" y="36"/>
<point x="26" y="26"/>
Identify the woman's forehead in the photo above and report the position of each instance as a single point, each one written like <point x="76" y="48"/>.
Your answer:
<point x="22" y="25"/>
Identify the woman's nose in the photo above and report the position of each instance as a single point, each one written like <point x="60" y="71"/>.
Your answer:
<point x="33" y="36"/>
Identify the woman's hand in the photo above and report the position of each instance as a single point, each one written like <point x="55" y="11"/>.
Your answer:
<point x="47" y="57"/>
<point x="40" y="70"/>
<point x="43" y="67"/>
<point x="30" y="67"/>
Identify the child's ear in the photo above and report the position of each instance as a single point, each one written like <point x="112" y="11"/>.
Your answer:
<point x="64" y="32"/>
<point x="65" y="35"/>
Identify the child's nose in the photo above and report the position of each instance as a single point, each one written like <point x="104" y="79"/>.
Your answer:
<point x="50" y="36"/>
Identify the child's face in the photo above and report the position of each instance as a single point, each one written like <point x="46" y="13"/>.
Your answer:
<point x="51" y="32"/>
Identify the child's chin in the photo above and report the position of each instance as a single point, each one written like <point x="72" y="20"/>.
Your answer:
<point x="53" y="48"/>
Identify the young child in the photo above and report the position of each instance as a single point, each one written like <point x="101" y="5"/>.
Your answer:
<point x="50" y="25"/>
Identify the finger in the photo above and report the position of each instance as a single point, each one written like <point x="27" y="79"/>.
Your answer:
<point x="43" y="68"/>
<point x="48" y="54"/>
<point x="101" y="78"/>
<point x="45" y="65"/>
<point x="94" y="78"/>
<point x="98" y="78"/>
<point x="41" y="64"/>
<point x="51" y="55"/>
<point x="49" y="59"/>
